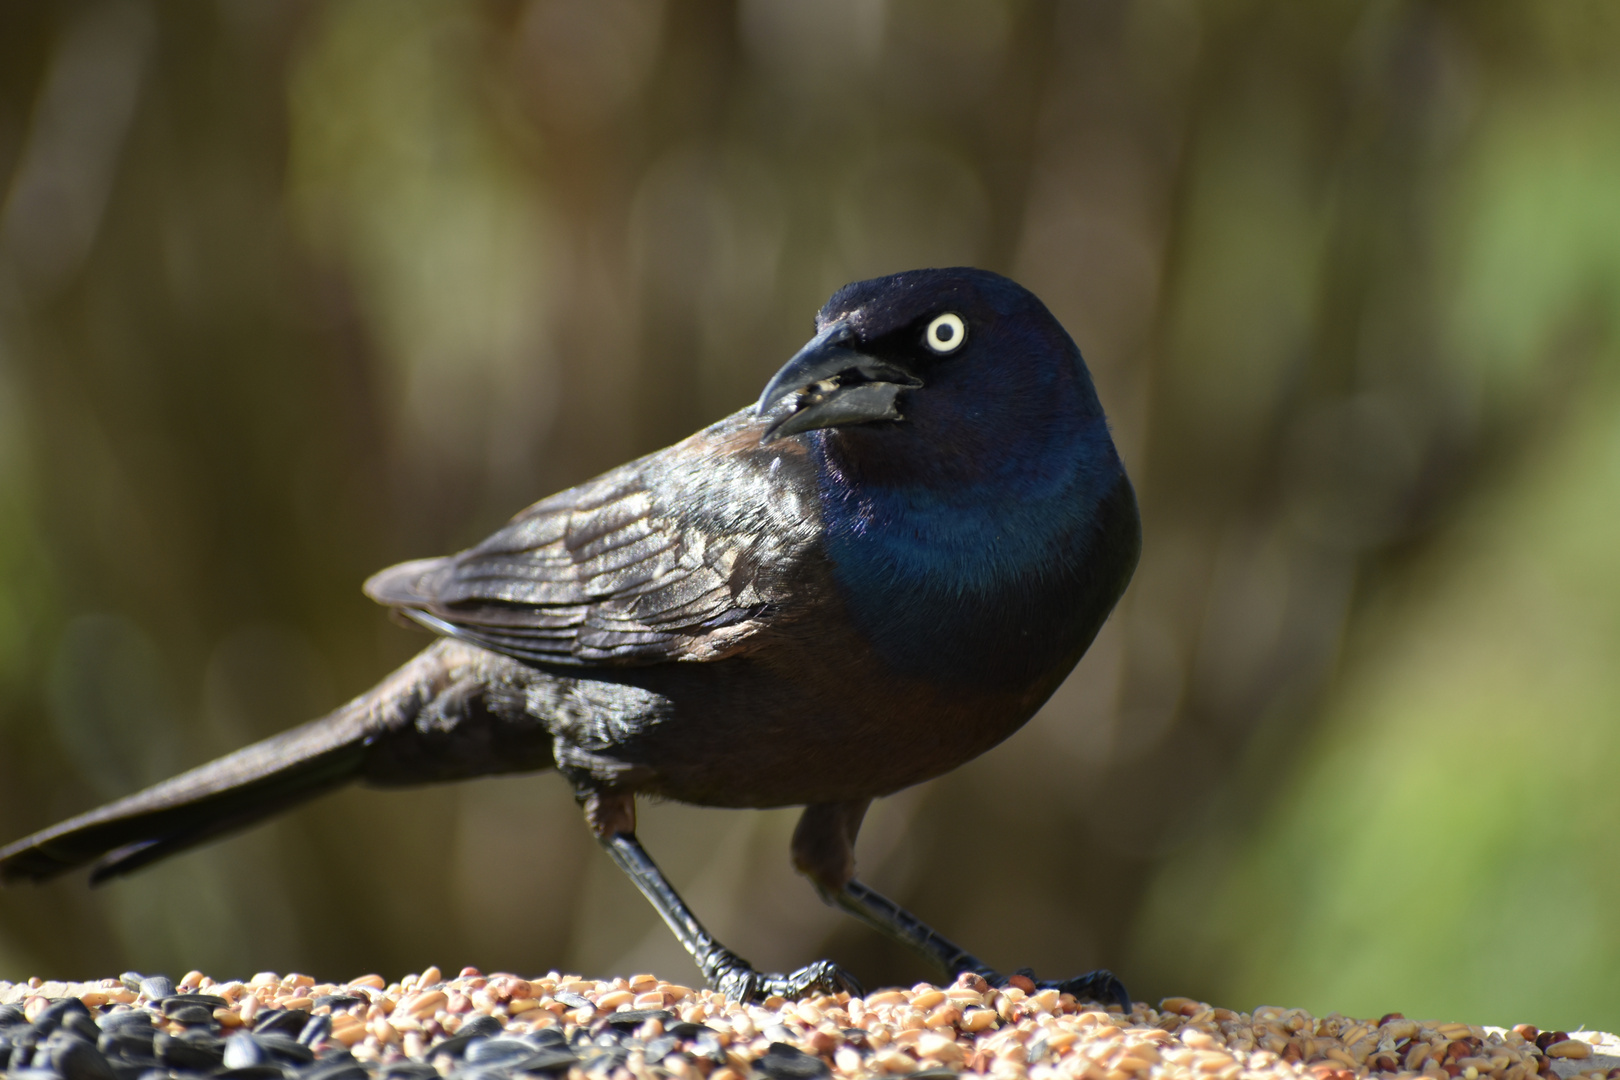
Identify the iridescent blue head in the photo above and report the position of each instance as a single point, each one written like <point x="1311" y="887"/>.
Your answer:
<point x="965" y="462"/>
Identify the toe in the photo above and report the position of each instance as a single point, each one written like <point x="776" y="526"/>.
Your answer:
<point x="834" y="979"/>
<point x="1101" y="986"/>
<point x="824" y="977"/>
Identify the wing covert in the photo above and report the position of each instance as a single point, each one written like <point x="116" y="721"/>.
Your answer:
<point x="675" y="556"/>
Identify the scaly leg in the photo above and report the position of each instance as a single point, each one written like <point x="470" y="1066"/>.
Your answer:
<point x="824" y="851"/>
<point x="612" y="818"/>
<point x="881" y="913"/>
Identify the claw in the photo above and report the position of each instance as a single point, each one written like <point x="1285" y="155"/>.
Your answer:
<point x="743" y="983"/>
<point x="825" y="977"/>
<point x="1101" y="986"/>
<point x="739" y="984"/>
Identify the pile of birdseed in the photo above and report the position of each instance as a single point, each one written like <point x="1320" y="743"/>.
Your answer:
<point x="502" y="1027"/>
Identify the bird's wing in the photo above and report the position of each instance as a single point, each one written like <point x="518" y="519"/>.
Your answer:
<point x="681" y="555"/>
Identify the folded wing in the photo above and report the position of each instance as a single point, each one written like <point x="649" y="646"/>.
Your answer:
<point x="677" y="556"/>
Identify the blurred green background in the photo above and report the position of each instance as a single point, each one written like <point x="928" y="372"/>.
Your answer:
<point x="291" y="291"/>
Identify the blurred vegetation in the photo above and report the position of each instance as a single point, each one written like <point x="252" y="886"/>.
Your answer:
<point x="292" y="291"/>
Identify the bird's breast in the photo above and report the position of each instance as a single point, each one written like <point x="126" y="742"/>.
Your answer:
<point x="994" y="591"/>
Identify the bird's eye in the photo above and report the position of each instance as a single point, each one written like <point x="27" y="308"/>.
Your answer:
<point x="946" y="333"/>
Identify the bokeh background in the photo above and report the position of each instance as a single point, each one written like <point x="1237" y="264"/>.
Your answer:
<point x="291" y="291"/>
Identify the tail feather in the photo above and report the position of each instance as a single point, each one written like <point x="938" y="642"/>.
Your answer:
<point x="229" y="812"/>
<point x="233" y="792"/>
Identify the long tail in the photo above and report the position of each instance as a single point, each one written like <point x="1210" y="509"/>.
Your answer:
<point x="235" y="791"/>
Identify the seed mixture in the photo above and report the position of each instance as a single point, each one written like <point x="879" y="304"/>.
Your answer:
<point x="563" y="1027"/>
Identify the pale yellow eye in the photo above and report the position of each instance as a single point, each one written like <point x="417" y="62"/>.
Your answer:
<point x="946" y="333"/>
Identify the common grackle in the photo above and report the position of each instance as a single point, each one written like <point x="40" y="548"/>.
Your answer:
<point x="875" y="574"/>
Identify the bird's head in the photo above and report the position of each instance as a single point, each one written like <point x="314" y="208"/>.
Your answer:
<point x="949" y="375"/>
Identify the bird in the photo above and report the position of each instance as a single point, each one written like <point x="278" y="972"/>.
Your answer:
<point x="867" y="578"/>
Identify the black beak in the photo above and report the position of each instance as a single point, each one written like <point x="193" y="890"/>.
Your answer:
<point x="837" y="385"/>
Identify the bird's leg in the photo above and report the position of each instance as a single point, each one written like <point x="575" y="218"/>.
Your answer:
<point x="824" y="851"/>
<point x="878" y="911"/>
<point x="612" y="817"/>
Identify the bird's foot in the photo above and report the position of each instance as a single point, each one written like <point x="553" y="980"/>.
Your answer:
<point x="1101" y="986"/>
<point x="740" y="982"/>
